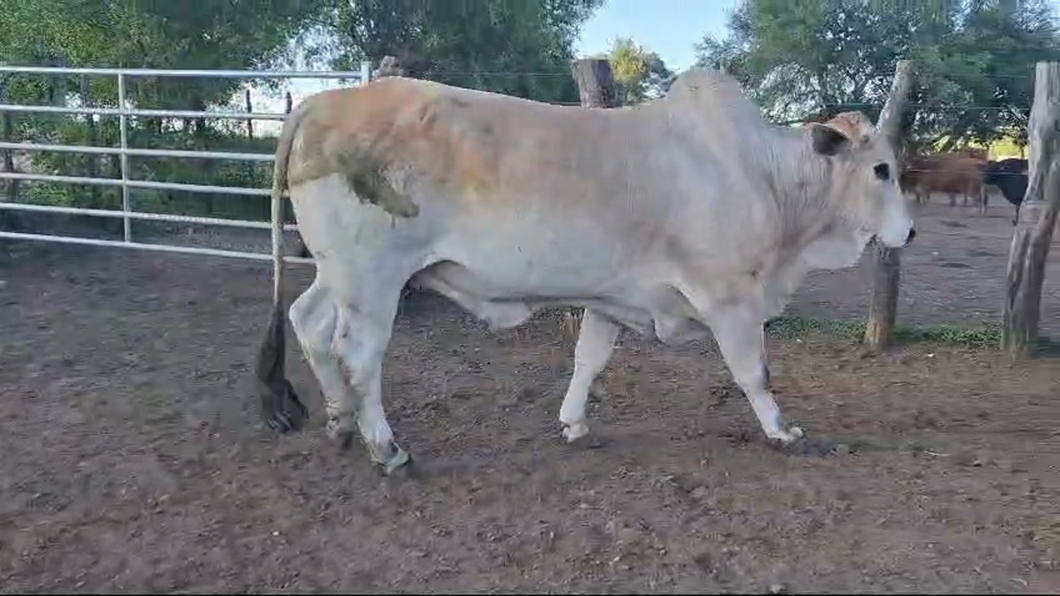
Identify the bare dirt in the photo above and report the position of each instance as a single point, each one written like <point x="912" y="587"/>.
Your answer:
<point x="132" y="455"/>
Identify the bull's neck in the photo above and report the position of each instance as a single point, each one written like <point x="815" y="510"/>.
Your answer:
<point x="803" y="185"/>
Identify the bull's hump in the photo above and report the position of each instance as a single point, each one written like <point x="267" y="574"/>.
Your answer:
<point x="449" y="137"/>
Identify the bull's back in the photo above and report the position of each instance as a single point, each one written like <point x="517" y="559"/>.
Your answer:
<point x="480" y="149"/>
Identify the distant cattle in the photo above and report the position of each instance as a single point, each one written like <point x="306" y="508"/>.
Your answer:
<point x="1010" y="177"/>
<point x="950" y="173"/>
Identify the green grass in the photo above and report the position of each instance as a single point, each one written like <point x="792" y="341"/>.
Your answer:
<point x="795" y="327"/>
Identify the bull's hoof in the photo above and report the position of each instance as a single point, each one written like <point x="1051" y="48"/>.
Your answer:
<point x="399" y="460"/>
<point x="575" y="431"/>
<point x="806" y="447"/>
<point x="283" y="411"/>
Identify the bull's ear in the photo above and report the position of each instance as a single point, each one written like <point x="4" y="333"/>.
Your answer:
<point x="827" y="140"/>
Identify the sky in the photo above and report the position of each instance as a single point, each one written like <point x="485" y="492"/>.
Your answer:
<point x="670" y="28"/>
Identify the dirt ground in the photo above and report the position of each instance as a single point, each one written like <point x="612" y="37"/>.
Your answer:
<point x="133" y="456"/>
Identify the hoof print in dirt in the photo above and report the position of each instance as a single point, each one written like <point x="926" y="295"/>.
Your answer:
<point x="283" y="411"/>
<point x="807" y="447"/>
<point x="593" y="441"/>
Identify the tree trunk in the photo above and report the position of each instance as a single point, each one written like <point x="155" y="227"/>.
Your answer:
<point x="596" y="83"/>
<point x="883" y="308"/>
<point x="597" y="89"/>
<point x="1037" y="217"/>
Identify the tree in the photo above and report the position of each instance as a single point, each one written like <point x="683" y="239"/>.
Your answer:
<point x="821" y="57"/>
<point x="516" y="47"/>
<point x="218" y="34"/>
<point x="639" y="73"/>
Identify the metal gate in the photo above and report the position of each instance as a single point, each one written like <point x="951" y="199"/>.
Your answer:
<point x="124" y="151"/>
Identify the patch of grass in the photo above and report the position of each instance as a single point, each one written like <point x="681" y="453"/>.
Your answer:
<point x="794" y="327"/>
<point x="950" y="334"/>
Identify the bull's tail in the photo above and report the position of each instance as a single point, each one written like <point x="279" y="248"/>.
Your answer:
<point x="281" y="408"/>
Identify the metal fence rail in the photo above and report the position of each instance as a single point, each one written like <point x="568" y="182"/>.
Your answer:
<point x="127" y="214"/>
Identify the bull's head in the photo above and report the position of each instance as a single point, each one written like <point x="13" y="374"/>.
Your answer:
<point x="868" y="177"/>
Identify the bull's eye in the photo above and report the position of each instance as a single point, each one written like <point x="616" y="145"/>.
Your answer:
<point x="883" y="172"/>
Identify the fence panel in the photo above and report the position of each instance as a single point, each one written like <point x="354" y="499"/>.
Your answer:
<point x="126" y="182"/>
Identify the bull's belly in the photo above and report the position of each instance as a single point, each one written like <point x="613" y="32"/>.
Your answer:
<point x="503" y="303"/>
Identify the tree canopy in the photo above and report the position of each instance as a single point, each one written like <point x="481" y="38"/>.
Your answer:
<point x="520" y="47"/>
<point x="517" y="47"/>
<point x="975" y="59"/>
<point x="639" y="73"/>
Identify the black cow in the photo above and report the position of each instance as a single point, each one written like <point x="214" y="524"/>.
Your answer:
<point x="1010" y="177"/>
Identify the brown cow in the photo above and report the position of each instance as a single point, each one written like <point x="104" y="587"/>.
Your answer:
<point x="950" y="173"/>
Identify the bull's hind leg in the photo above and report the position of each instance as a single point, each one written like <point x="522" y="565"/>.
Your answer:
<point x="314" y="317"/>
<point x="595" y="345"/>
<point x="741" y="337"/>
<point x="361" y="339"/>
<point x="336" y="333"/>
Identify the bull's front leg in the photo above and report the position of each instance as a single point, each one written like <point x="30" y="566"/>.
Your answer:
<point x="741" y="337"/>
<point x="596" y="342"/>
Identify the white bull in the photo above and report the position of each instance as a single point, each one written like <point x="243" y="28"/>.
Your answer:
<point x="678" y="215"/>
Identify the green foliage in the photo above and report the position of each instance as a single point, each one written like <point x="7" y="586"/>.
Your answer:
<point x="826" y="56"/>
<point x="640" y="74"/>
<point x="790" y="327"/>
<point x="187" y="171"/>
<point x="515" y="47"/>
<point x="217" y="34"/>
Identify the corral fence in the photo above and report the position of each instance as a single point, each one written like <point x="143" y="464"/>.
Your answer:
<point x="126" y="182"/>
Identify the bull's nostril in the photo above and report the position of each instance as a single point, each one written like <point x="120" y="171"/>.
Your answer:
<point x="912" y="234"/>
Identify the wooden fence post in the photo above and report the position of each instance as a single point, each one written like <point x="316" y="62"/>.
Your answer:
<point x="886" y="276"/>
<point x="250" y="108"/>
<point x="597" y="89"/>
<point x="1037" y="217"/>
<point x="596" y="83"/>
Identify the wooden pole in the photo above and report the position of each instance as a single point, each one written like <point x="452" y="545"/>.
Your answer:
<point x="887" y="265"/>
<point x="250" y="108"/>
<point x="596" y="89"/>
<point x="1037" y="217"/>
<point x="596" y="83"/>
